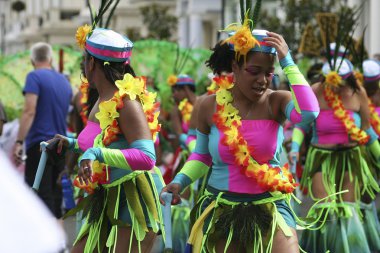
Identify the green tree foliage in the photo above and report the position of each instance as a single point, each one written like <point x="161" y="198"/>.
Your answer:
<point x="161" y="24"/>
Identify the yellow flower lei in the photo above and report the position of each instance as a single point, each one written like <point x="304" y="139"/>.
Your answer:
<point x="185" y="107"/>
<point x="335" y="102"/>
<point x="375" y="119"/>
<point x="227" y="120"/>
<point x="135" y="88"/>
<point x="211" y="89"/>
<point x="81" y="35"/>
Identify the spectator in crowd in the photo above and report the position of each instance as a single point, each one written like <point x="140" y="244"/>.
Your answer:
<point x="47" y="98"/>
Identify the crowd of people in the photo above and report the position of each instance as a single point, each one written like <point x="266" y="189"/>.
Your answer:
<point x="230" y="171"/>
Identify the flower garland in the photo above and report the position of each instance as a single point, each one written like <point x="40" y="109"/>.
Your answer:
<point x="185" y="107"/>
<point x="135" y="88"/>
<point x="335" y="102"/>
<point x="211" y="89"/>
<point x="99" y="175"/>
<point x="375" y="119"/>
<point x="227" y="120"/>
<point x="83" y="100"/>
<point x="108" y="113"/>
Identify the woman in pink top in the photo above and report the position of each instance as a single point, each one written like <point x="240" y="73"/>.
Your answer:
<point x="335" y="161"/>
<point x="245" y="207"/>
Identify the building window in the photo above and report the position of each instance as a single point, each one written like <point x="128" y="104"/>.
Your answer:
<point x="68" y="15"/>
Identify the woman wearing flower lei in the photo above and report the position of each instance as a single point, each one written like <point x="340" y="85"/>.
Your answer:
<point x="335" y="162"/>
<point x="183" y="90"/>
<point x="245" y="207"/>
<point x="122" y="210"/>
<point x="370" y="80"/>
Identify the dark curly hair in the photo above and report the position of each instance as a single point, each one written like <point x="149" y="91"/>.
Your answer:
<point x="221" y="58"/>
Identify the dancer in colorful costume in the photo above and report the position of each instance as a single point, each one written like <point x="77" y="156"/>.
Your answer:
<point x="183" y="90"/>
<point x="122" y="209"/>
<point x="246" y="204"/>
<point x="335" y="161"/>
<point x="370" y="79"/>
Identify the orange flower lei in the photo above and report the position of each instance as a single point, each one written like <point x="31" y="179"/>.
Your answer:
<point x="108" y="113"/>
<point x="185" y="107"/>
<point x="335" y="102"/>
<point x="227" y="120"/>
<point x="212" y="88"/>
<point x="375" y="119"/>
<point x="83" y="100"/>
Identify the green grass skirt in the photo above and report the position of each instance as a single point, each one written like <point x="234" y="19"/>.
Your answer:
<point x="250" y="221"/>
<point x="347" y="228"/>
<point x="334" y="164"/>
<point x="130" y="201"/>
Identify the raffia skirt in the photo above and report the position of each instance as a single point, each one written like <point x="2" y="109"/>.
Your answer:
<point x="130" y="201"/>
<point x="344" y="229"/>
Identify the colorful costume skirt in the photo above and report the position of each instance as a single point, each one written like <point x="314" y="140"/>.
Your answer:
<point x="250" y="220"/>
<point x="130" y="201"/>
<point x="344" y="229"/>
<point x="334" y="164"/>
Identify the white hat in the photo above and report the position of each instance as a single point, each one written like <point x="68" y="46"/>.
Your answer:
<point x="108" y="45"/>
<point x="344" y="68"/>
<point x="371" y="70"/>
<point x="341" y="50"/>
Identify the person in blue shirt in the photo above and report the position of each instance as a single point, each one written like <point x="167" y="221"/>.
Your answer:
<point x="47" y="98"/>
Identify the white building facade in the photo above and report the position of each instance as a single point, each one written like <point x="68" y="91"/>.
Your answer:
<point x="55" y="21"/>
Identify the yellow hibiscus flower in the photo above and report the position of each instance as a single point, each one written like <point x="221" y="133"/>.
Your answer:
<point x="148" y="100"/>
<point x="229" y="111"/>
<point x="107" y="113"/>
<point x="81" y="35"/>
<point x="242" y="155"/>
<point x="223" y="97"/>
<point x="130" y="86"/>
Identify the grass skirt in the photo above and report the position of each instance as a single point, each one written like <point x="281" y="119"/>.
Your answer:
<point x="344" y="230"/>
<point x="180" y="225"/>
<point x="131" y="201"/>
<point x="250" y="220"/>
<point x="371" y="225"/>
<point x="334" y="164"/>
